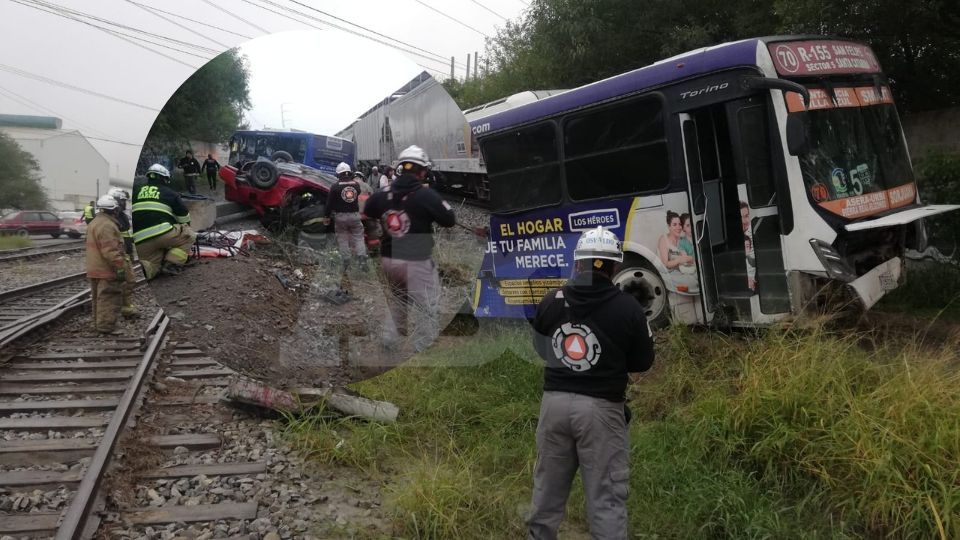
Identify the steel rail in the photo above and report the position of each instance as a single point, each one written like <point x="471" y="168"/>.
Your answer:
<point x="74" y="521"/>
<point x="41" y="253"/>
<point x="6" y="296"/>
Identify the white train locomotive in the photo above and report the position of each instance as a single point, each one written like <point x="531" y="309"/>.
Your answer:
<point x="422" y="113"/>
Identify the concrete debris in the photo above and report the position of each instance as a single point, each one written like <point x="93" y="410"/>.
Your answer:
<point x="302" y="399"/>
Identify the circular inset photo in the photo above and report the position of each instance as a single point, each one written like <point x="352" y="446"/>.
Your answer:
<point x="328" y="228"/>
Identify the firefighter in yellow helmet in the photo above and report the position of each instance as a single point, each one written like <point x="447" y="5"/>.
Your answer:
<point x="105" y="265"/>
<point x="161" y="225"/>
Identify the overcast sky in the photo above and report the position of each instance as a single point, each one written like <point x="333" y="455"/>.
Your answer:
<point x="80" y="64"/>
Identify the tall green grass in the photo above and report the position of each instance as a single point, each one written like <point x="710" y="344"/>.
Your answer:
<point x="14" y="241"/>
<point x="933" y="291"/>
<point x="790" y="433"/>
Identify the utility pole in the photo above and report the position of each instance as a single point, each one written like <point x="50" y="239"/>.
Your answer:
<point x="283" y="115"/>
<point x="476" y="64"/>
<point x="467" y="78"/>
<point x="452" y="59"/>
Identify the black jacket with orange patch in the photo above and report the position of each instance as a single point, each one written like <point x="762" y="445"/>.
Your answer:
<point x="591" y="334"/>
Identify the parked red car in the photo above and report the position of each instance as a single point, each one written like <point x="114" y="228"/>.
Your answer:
<point x="24" y="222"/>
<point x="274" y="190"/>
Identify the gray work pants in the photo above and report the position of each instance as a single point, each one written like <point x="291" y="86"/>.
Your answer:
<point x="577" y="431"/>
<point x="414" y="286"/>
<point x="349" y="231"/>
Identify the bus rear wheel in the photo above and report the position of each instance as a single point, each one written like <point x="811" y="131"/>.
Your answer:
<point x="641" y="280"/>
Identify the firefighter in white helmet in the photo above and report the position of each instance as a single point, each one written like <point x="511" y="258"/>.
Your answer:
<point x="161" y="225"/>
<point x="105" y="265"/>
<point x="126" y="231"/>
<point x="343" y="203"/>
<point x="590" y="335"/>
<point x="407" y="211"/>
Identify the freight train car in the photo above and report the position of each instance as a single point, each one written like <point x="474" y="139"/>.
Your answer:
<point x="422" y="113"/>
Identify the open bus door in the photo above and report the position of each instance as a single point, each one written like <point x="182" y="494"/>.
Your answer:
<point x="699" y="212"/>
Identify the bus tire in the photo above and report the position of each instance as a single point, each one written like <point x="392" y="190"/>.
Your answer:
<point x="281" y="156"/>
<point x="263" y="174"/>
<point x="637" y="272"/>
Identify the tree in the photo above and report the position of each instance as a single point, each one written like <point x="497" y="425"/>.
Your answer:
<point x="207" y="107"/>
<point x="568" y="43"/>
<point x="19" y="177"/>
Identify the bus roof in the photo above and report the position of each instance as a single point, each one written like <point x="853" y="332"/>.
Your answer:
<point x="289" y="133"/>
<point x="689" y="64"/>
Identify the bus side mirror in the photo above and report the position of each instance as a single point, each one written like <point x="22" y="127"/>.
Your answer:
<point x="798" y="134"/>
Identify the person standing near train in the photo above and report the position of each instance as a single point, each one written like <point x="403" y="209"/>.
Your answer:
<point x="407" y="212"/>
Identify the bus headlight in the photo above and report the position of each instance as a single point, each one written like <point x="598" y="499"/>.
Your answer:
<point x="835" y="265"/>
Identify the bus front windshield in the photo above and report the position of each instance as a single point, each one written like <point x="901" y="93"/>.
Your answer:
<point x="857" y="157"/>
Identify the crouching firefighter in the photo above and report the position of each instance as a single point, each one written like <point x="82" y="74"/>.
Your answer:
<point x="161" y="229"/>
<point x="591" y="335"/>
<point x="105" y="265"/>
<point x="126" y="231"/>
<point x="343" y="202"/>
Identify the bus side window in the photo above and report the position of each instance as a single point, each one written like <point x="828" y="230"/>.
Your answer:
<point x="523" y="167"/>
<point x="757" y="163"/>
<point x="616" y="150"/>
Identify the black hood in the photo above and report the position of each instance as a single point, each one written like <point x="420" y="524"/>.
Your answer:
<point x="587" y="291"/>
<point x="406" y="183"/>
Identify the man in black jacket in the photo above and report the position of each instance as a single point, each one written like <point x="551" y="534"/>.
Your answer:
<point x="212" y="166"/>
<point x="191" y="170"/>
<point x="591" y="335"/>
<point x="343" y="203"/>
<point x="407" y="211"/>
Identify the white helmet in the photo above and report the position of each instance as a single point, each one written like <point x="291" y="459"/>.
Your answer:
<point x="106" y="202"/>
<point x="598" y="243"/>
<point x="118" y="194"/>
<point x="416" y="155"/>
<point x="342" y="168"/>
<point x="156" y="170"/>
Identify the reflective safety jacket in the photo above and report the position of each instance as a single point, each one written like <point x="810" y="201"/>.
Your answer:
<point x="156" y="209"/>
<point x="104" y="247"/>
<point x="88" y="213"/>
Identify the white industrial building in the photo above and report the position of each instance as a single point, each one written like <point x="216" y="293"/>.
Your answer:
<point x="72" y="171"/>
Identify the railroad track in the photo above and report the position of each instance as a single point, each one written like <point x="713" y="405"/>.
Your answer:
<point x="23" y="309"/>
<point x="65" y="405"/>
<point x="63" y="408"/>
<point x="33" y="253"/>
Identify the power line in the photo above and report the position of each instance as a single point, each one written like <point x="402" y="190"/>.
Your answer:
<point x="30" y="104"/>
<point x="41" y="78"/>
<point x="73" y="13"/>
<point x="454" y="19"/>
<point x="330" y="24"/>
<point x="239" y="18"/>
<point x="440" y="56"/>
<point x="185" y="27"/>
<point x="484" y="7"/>
<point x="192" y="20"/>
<point x="116" y="34"/>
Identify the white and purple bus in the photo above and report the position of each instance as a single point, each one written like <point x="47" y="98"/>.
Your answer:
<point x="745" y="179"/>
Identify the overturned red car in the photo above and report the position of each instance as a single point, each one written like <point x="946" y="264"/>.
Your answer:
<point x="275" y="188"/>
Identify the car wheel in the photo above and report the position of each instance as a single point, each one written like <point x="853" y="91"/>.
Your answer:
<point x="73" y="235"/>
<point x="263" y="174"/>
<point x="639" y="278"/>
<point x="23" y="232"/>
<point x="55" y="234"/>
<point x="281" y="157"/>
